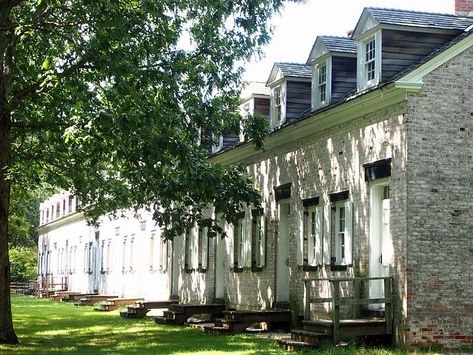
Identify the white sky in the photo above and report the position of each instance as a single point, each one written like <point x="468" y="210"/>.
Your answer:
<point x="296" y="28"/>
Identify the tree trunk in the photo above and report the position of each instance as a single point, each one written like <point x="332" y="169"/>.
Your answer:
<point x="7" y="333"/>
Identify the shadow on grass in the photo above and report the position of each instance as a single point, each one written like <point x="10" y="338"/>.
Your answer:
<point x="48" y="327"/>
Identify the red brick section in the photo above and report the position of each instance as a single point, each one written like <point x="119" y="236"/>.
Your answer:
<point x="463" y="7"/>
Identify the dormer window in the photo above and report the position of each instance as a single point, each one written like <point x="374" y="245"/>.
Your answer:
<point x="369" y="61"/>
<point x="217" y="144"/>
<point x="321" y="85"/>
<point x="277" y="104"/>
<point x="370" y="57"/>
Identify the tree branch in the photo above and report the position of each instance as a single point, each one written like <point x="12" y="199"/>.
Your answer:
<point x="35" y="87"/>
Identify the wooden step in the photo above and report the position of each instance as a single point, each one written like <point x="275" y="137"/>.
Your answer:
<point x="216" y="330"/>
<point x="192" y="309"/>
<point x="259" y="316"/>
<point x="294" y="345"/>
<point x="317" y="339"/>
<point x="349" y="328"/>
<point x="91" y="300"/>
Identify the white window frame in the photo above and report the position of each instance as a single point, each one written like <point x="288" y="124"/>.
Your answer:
<point x="342" y="232"/>
<point x="239" y="233"/>
<point x="316" y="83"/>
<point x="278" y="104"/>
<point x="364" y="82"/>
<point x="109" y="255"/>
<point x="314" y="232"/>
<point x="132" y="253"/>
<point x="218" y="144"/>
<point x="124" y="268"/>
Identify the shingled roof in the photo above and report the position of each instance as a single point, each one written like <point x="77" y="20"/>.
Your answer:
<point x="339" y="44"/>
<point x="293" y="70"/>
<point x="416" y="19"/>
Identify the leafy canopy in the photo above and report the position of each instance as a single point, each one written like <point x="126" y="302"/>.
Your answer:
<point x="117" y="100"/>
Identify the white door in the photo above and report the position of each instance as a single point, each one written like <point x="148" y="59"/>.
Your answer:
<point x="381" y="248"/>
<point x="282" y="279"/>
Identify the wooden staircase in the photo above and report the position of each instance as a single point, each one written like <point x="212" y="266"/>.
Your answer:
<point x="90" y="300"/>
<point x="60" y="295"/>
<point x="112" y="304"/>
<point x="179" y="313"/>
<point x="140" y="308"/>
<point x="238" y="321"/>
<point x="72" y="297"/>
<point x="319" y="333"/>
<point x="345" y="292"/>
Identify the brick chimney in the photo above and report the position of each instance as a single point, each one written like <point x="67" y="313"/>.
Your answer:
<point x="464" y="7"/>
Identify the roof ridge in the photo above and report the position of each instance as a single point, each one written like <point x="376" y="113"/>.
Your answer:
<point x="329" y="36"/>
<point x="416" y="11"/>
<point x="291" y="63"/>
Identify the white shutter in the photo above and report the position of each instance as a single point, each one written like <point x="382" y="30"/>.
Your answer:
<point x="283" y="101"/>
<point x="326" y="234"/>
<point x="230" y="244"/>
<point x="262" y="246"/>
<point x="348" y="233"/>
<point x="195" y="247"/>
<point x="387" y="242"/>
<point x="300" y="239"/>
<point x="247" y="226"/>
<point x="319" y="247"/>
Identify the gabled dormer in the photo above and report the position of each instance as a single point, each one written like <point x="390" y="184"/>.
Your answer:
<point x="389" y="40"/>
<point x="255" y="100"/>
<point x="290" y="86"/>
<point x="333" y="62"/>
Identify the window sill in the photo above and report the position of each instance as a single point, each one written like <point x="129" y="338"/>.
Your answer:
<point x="310" y="267"/>
<point x="257" y="268"/>
<point x="237" y="269"/>
<point x="334" y="267"/>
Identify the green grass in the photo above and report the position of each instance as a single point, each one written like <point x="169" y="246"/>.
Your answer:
<point x="46" y="327"/>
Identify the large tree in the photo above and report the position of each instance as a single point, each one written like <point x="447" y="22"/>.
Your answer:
<point x="116" y="101"/>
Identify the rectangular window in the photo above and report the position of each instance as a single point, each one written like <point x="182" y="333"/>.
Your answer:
<point x="71" y="198"/>
<point x="52" y="212"/>
<point x="341" y="226"/>
<point x="370" y="58"/>
<point x="278" y="104"/>
<point x="86" y="257"/>
<point x="63" y="207"/>
<point x="258" y="240"/>
<point x="203" y="244"/>
<point x="322" y="83"/>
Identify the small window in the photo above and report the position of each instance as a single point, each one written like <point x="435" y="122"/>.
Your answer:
<point x="370" y="59"/>
<point x="278" y="104"/>
<point x="322" y="83"/>
<point x="142" y="225"/>
<point x="63" y="207"/>
<point x="71" y="199"/>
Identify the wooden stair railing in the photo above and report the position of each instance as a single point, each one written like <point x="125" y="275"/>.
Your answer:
<point x="354" y="300"/>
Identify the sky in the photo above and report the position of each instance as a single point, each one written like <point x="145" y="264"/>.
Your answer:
<point x="296" y="28"/>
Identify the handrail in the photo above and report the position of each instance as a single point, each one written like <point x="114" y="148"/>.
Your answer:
<point x="355" y="300"/>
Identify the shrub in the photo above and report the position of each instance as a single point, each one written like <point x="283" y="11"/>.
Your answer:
<point x="23" y="264"/>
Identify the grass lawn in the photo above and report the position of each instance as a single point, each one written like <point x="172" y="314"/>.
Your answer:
<point x="46" y="327"/>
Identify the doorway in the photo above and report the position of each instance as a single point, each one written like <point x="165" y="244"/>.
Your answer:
<point x="380" y="242"/>
<point x="282" y="275"/>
